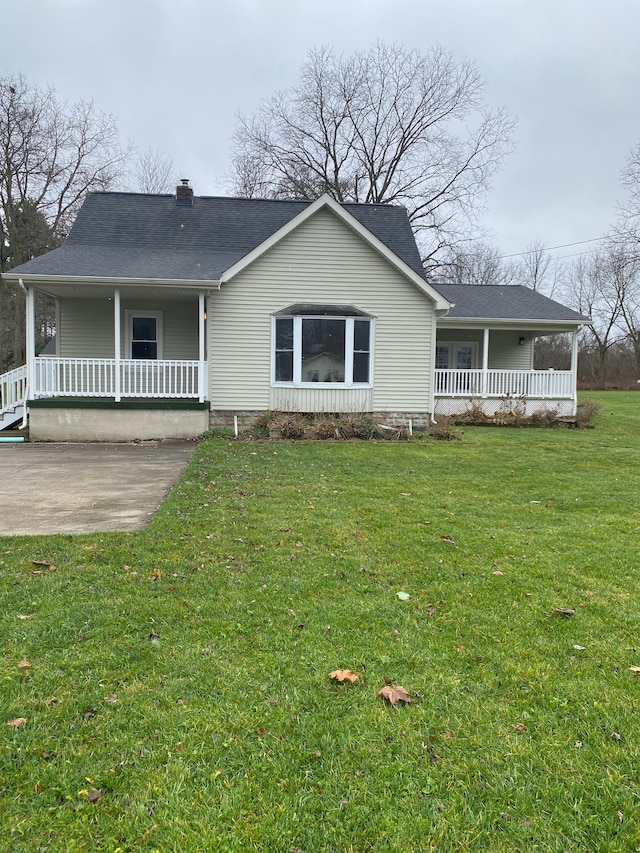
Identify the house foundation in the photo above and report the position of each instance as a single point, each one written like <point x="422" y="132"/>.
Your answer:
<point x="115" y="422"/>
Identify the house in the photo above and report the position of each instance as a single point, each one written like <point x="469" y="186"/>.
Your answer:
<point x="176" y="314"/>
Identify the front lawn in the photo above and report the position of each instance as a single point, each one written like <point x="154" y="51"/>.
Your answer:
<point x="177" y="696"/>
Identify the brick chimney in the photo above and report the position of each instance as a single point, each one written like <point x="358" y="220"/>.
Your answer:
<point x="184" y="193"/>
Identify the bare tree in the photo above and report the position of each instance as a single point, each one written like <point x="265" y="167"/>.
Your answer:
<point x="538" y="270"/>
<point x="153" y="172"/>
<point x="481" y="264"/>
<point x="599" y="286"/>
<point x="628" y="222"/>
<point x="51" y="154"/>
<point x="384" y="125"/>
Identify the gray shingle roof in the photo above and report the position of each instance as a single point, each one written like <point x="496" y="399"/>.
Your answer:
<point x="511" y="302"/>
<point x="130" y="235"/>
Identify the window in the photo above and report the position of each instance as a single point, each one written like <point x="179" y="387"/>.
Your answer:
<point x="145" y="335"/>
<point x="458" y="357"/>
<point x="324" y="349"/>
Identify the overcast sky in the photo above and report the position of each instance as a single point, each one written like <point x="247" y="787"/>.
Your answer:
<point x="176" y="72"/>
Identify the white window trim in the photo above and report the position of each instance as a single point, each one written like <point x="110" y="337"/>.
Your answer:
<point x="297" y="352"/>
<point x="130" y="314"/>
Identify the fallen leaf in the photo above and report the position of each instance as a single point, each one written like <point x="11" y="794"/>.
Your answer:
<point x="635" y="669"/>
<point x="616" y="736"/>
<point x="111" y="699"/>
<point x="521" y="727"/>
<point x="578" y="648"/>
<point x="28" y="616"/>
<point x="497" y="573"/>
<point x="461" y="647"/>
<point x="620" y="816"/>
<point x="403" y="596"/>
<point x="564" y="611"/>
<point x="448" y="540"/>
<point x="394" y="694"/>
<point x="24" y="664"/>
<point x="94" y="795"/>
<point x="446" y="735"/>
<point x="46" y="563"/>
<point x="291" y="612"/>
<point x="343" y="675"/>
<point x="37" y="789"/>
<point x="19" y="721"/>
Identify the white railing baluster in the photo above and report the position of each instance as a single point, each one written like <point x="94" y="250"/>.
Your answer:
<point x="96" y="377"/>
<point x="538" y="384"/>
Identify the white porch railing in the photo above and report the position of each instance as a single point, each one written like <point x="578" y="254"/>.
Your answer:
<point x="100" y="377"/>
<point x="539" y="384"/>
<point x="13" y="394"/>
<point x="13" y="387"/>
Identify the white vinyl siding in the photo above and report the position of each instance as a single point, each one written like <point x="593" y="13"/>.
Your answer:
<point x="86" y="327"/>
<point x="323" y="261"/>
<point x="179" y="326"/>
<point x="505" y="352"/>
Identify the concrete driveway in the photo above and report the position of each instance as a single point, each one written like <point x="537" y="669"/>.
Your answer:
<point x="84" y="488"/>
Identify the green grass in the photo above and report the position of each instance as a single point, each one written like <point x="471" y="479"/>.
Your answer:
<point x="270" y="565"/>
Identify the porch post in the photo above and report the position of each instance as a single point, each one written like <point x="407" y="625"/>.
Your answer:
<point x="201" y="367"/>
<point x="116" y="341"/>
<point x="574" y="369"/>
<point x="30" y="344"/>
<point x="485" y="361"/>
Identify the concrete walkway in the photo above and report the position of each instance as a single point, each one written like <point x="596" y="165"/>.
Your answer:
<point x="84" y="488"/>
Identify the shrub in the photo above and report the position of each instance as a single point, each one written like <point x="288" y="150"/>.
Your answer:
<point x="585" y="413"/>
<point x="473" y="414"/>
<point x="545" y="418"/>
<point x="290" y="425"/>
<point x="444" y="429"/>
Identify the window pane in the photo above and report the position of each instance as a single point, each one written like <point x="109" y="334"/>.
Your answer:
<point x="284" y="366"/>
<point x="442" y="356"/>
<point x="323" y="350"/>
<point x="361" y="367"/>
<point x="464" y="358"/>
<point x="144" y="329"/>
<point x="284" y="333"/>
<point x="144" y="349"/>
<point x="361" y="335"/>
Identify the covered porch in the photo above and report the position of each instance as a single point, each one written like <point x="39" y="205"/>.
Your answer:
<point x="139" y="335"/>
<point x="492" y="368"/>
<point x="129" y="362"/>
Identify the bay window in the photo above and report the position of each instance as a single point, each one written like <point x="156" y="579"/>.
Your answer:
<point x="325" y="346"/>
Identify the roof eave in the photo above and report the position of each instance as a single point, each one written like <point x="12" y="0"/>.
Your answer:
<point x="73" y="280"/>
<point x="479" y="322"/>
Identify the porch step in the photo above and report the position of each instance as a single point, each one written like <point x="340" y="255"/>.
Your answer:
<point x="10" y="418"/>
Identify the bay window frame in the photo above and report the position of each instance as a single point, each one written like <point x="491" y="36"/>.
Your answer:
<point x="349" y="342"/>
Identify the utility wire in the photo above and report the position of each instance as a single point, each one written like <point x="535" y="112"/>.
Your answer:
<point x="551" y="248"/>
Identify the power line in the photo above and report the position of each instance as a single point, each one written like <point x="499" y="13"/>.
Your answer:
<point x="551" y="248"/>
